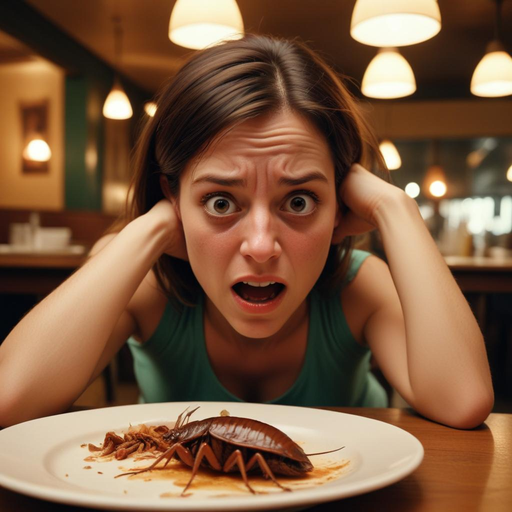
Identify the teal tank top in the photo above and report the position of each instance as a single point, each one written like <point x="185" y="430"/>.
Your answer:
<point x="173" y="365"/>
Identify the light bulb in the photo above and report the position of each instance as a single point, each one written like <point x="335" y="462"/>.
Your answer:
<point x="438" y="188"/>
<point x="412" y="189"/>
<point x="37" y="150"/>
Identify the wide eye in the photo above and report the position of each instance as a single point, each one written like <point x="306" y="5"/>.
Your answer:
<point x="219" y="205"/>
<point x="300" y="204"/>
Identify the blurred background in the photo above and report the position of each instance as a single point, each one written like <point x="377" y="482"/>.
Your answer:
<point x="77" y="81"/>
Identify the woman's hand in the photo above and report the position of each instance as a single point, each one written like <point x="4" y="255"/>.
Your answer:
<point x="165" y="212"/>
<point x="364" y="194"/>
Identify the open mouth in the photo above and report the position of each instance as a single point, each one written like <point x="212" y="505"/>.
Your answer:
<point x="258" y="292"/>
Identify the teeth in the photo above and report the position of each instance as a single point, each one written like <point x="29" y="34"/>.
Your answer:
<point x="259" y="285"/>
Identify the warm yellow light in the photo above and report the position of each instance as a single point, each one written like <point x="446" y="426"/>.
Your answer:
<point x="117" y="105"/>
<point x="197" y="24"/>
<point x="493" y="74"/>
<point x="509" y="173"/>
<point x="438" y="188"/>
<point x="390" y="154"/>
<point x="37" y="150"/>
<point x="388" y="76"/>
<point x="412" y="189"/>
<point x="435" y="174"/>
<point x="150" y="108"/>
<point x="395" y="22"/>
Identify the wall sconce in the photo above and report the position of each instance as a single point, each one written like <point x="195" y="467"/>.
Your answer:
<point x="36" y="151"/>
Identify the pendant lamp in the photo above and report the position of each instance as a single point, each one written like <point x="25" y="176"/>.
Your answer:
<point x="197" y="24"/>
<point x="395" y="22"/>
<point x="117" y="105"/>
<point x="390" y="154"/>
<point x="388" y="76"/>
<point x="435" y="184"/>
<point x="493" y="74"/>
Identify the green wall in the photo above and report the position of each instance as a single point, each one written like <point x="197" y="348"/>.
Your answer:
<point x="88" y="82"/>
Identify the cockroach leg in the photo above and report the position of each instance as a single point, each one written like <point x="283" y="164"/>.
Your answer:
<point x="206" y="451"/>
<point x="236" y="458"/>
<point x="265" y="469"/>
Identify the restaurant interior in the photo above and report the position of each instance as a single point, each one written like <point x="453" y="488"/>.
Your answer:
<point x="77" y="83"/>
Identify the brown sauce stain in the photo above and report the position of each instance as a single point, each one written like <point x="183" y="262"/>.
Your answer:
<point x="232" y="483"/>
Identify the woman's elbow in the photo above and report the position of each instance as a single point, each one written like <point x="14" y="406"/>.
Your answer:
<point x="473" y="411"/>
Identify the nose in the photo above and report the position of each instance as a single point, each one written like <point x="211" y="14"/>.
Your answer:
<point x="260" y="241"/>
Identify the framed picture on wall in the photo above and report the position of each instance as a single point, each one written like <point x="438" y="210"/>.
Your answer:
<point x="36" y="152"/>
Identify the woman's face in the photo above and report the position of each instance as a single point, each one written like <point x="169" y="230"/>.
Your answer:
<point x="258" y="212"/>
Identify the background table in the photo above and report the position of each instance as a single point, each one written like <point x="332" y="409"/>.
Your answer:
<point x="36" y="273"/>
<point x="461" y="471"/>
<point x="481" y="274"/>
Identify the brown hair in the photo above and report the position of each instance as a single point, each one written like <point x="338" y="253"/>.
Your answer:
<point x="222" y="86"/>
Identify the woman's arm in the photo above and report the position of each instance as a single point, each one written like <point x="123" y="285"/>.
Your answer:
<point x="49" y="357"/>
<point x="422" y="331"/>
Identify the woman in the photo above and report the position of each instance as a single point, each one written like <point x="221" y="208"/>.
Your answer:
<point x="234" y="276"/>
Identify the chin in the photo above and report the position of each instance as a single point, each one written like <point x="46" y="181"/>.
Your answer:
<point x="256" y="329"/>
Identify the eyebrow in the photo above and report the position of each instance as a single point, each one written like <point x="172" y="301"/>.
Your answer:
<point x="223" y="182"/>
<point x="310" y="176"/>
<point x="239" y="182"/>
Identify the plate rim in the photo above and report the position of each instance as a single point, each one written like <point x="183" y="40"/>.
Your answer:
<point x="262" y="502"/>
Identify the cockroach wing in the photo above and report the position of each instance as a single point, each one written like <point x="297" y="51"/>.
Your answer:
<point x="193" y="430"/>
<point x="256" y="435"/>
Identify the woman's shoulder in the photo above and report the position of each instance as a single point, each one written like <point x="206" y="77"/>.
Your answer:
<point x="357" y="258"/>
<point x="365" y="274"/>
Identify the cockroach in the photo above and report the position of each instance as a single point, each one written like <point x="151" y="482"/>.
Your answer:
<point x="228" y="444"/>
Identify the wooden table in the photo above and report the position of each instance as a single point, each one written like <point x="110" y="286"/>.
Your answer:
<point x="481" y="274"/>
<point x="36" y="273"/>
<point x="462" y="471"/>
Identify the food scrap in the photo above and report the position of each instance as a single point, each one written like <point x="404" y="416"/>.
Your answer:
<point x="137" y="440"/>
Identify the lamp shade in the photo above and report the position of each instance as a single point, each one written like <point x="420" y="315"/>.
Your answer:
<point x="117" y="105"/>
<point x="388" y="76"/>
<point x="197" y="24"/>
<point x="390" y="154"/>
<point x="493" y="74"/>
<point x="395" y="22"/>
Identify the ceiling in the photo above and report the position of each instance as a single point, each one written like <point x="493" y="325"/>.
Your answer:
<point x="14" y="51"/>
<point x="443" y="65"/>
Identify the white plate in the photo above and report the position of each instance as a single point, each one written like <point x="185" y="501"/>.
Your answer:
<point x="44" y="458"/>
